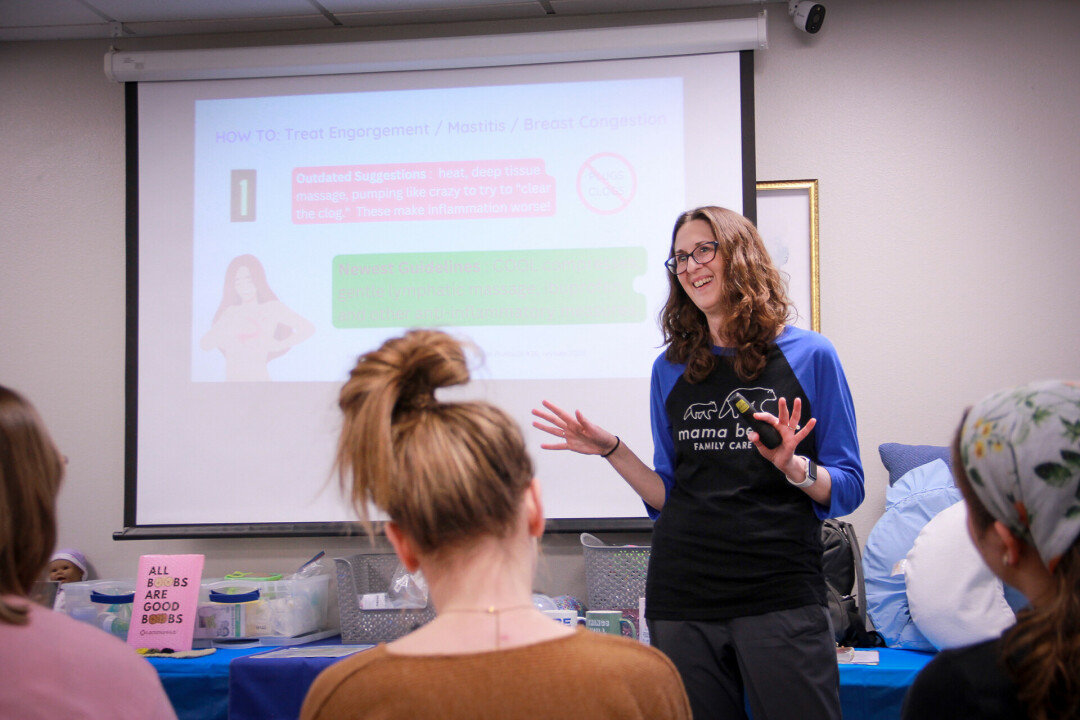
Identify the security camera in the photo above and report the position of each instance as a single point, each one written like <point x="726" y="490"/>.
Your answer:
<point x="808" y="16"/>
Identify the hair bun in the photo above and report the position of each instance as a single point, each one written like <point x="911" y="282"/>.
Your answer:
<point x="445" y="472"/>
<point x="427" y="360"/>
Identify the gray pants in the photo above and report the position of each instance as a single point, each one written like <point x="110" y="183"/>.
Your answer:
<point x="782" y="664"/>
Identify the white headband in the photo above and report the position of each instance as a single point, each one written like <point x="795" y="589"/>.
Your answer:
<point x="73" y="556"/>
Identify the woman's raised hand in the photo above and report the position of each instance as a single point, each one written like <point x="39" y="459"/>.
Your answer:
<point x="574" y="432"/>
<point x="791" y="433"/>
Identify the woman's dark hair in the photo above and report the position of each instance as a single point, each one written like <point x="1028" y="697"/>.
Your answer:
<point x="756" y="309"/>
<point x="30" y="472"/>
<point x="229" y="295"/>
<point x="1042" y="651"/>
<point x="263" y="294"/>
<point x="445" y="472"/>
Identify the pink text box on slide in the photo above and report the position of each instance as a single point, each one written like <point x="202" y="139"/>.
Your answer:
<point x="452" y="190"/>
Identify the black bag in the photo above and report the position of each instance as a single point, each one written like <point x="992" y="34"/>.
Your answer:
<point x="842" y="564"/>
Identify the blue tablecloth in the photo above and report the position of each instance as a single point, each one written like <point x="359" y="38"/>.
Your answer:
<point x="876" y="692"/>
<point x="199" y="687"/>
<point x="273" y="688"/>
<point x="236" y="684"/>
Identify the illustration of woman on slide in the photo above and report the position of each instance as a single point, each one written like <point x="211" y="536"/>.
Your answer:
<point x="251" y="326"/>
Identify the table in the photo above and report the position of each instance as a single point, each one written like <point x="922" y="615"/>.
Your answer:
<point x="876" y="692"/>
<point x="235" y="684"/>
<point x="273" y="688"/>
<point x="199" y="687"/>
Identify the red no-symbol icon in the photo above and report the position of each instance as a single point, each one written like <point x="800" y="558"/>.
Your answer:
<point x="606" y="183"/>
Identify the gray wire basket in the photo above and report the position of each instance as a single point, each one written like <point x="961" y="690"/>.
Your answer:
<point x="371" y="573"/>
<point x="614" y="574"/>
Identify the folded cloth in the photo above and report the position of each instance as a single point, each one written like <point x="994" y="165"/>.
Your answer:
<point x="178" y="654"/>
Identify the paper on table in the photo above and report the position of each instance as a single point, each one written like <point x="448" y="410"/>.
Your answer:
<point x="314" y="651"/>
<point x="851" y="656"/>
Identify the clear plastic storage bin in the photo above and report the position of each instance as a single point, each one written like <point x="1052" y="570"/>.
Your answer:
<point x="248" y="609"/>
<point x="106" y="604"/>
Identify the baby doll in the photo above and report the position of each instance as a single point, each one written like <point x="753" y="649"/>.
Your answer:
<point x="66" y="565"/>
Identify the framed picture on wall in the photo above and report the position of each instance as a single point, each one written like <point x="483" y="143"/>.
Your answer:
<point x="787" y="212"/>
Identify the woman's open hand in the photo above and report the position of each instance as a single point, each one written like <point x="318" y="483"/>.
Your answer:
<point x="791" y="433"/>
<point x="574" y="432"/>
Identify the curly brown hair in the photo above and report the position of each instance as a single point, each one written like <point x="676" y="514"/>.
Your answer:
<point x="757" y="307"/>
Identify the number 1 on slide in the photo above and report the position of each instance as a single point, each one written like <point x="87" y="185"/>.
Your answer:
<point x="243" y="196"/>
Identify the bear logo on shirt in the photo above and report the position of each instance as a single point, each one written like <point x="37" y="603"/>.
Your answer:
<point x="757" y="397"/>
<point x="700" y="411"/>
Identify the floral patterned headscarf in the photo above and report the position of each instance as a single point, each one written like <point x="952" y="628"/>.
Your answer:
<point x="1021" y="450"/>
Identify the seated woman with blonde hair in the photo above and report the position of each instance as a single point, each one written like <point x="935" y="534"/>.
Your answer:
<point x="1016" y="458"/>
<point x="457" y="484"/>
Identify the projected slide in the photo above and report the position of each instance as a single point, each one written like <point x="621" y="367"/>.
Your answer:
<point x="531" y="218"/>
<point x="286" y="225"/>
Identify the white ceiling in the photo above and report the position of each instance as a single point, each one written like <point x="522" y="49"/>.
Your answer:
<point x="64" y="19"/>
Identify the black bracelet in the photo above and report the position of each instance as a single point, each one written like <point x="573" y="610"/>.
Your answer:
<point x="617" y="441"/>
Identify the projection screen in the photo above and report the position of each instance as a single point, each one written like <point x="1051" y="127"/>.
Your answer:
<point x="281" y="226"/>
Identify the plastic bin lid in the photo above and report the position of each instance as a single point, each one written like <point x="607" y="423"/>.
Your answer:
<point x="257" y="577"/>
<point x="591" y="541"/>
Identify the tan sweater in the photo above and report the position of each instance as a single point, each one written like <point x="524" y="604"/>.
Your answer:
<point x="586" y="675"/>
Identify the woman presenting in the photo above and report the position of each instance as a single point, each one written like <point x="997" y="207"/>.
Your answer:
<point x="735" y="594"/>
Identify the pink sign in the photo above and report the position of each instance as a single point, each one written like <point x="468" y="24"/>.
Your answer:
<point x="166" y="598"/>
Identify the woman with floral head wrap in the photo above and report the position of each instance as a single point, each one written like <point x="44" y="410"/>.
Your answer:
<point x="1016" y="457"/>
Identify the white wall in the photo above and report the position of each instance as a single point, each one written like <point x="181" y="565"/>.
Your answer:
<point x="944" y="136"/>
<point x="941" y="132"/>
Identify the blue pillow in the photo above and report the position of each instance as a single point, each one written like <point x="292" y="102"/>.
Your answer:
<point x="910" y="503"/>
<point x="899" y="459"/>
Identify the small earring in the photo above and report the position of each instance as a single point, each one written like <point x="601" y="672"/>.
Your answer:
<point x="1005" y="560"/>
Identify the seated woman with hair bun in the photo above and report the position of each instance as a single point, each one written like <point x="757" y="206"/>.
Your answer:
<point x="1016" y="458"/>
<point x="457" y="484"/>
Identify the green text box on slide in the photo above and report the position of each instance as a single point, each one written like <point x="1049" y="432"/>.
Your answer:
<point x="519" y="287"/>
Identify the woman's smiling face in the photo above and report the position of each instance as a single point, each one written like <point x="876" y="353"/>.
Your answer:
<point x="703" y="283"/>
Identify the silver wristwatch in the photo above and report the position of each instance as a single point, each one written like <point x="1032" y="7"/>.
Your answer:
<point x="811" y="475"/>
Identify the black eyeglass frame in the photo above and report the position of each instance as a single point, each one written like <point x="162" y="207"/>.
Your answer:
<point x="672" y="263"/>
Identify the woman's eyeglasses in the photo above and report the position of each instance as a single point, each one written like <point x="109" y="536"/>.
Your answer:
<point x="702" y="254"/>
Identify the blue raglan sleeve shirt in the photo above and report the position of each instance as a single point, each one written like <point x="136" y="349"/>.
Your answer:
<point x="817" y="367"/>
<point x="664" y="375"/>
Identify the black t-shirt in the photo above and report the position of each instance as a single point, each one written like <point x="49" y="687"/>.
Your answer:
<point x="735" y="538"/>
